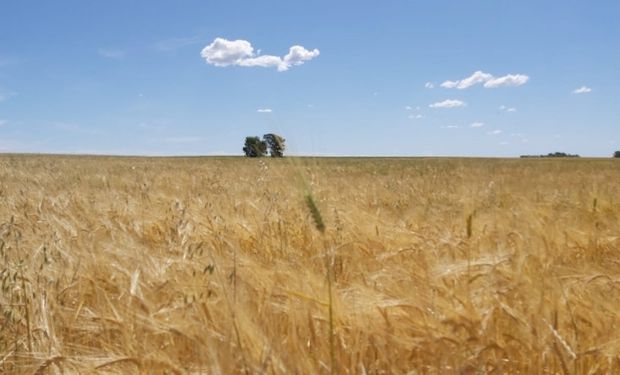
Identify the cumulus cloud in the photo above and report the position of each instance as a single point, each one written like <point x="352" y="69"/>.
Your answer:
<point x="488" y="81"/>
<point x="507" y="80"/>
<point x="298" y="54"/>
<point x="582" y="90"/>
<point x="223" y="52"/>
<point x="448" y="103"/>
<point x="451" y="127"/>
<point x="494" y="132"/>
<point x="264" y="110"/>
<point x="476" y="124"/>
<point x="429" y="85"/>
<point x="416" y="117"/>
<point x="474" y="79"/>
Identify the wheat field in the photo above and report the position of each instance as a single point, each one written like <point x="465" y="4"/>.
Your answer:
<point x="218" y="265"/>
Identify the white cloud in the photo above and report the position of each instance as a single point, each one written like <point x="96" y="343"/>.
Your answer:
<point x="451" y="127"/>
<point x="414" y="112"/>
<point x="474" y="79"/>
<point x="507" y="80"/>
<point x="477" y="124"/>
<point x="264" y="61"/>
<point x="115" y="54"/>
<point x="488" y="81"/>
<point x="298" y="54"/>
<point x="264" y="110"/>
<point x="222" y="52"/>
<point x="449" y="103"/>
<point x="429" y="85"/>
<point x="503" y="108"/>
<point x="494" y="132"/>
<point x="582" y="90"/>
<point x="449" y="84"/>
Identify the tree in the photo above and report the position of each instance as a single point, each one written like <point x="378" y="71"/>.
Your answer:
<point x="617" y="154"/>
<point x="275" y="144"/>
<point x="254" y="147"/>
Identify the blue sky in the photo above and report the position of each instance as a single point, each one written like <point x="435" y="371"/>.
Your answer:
<point x="195" y="77"/>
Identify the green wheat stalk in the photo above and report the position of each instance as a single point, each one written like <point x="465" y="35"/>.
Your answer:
<point x="316" y="214"/>
<point x="320" y="226"/>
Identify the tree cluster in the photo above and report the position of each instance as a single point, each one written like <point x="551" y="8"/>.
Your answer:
<point x="552" y="155"/>
<point x="255" y="147"/>
<point x="617" y="154"/>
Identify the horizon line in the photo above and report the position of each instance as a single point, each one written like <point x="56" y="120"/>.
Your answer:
<point x="326" y="156"/>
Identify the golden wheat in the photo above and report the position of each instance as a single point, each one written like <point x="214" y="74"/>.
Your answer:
<point x="215" y="265"/>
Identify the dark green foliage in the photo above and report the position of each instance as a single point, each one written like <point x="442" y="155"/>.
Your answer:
<point x="561" y="155"/>
<point x="316" y="214"/>
<point x="254" y="147"/>
<point x="552" y="155"/>
<point x="617" y="154"/>
<point x="275" y="144"/>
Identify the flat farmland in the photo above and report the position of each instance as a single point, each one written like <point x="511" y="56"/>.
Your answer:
<point x="303" y="265"/>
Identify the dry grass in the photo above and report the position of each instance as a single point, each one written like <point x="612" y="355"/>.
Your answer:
<point x="132" y="265"/>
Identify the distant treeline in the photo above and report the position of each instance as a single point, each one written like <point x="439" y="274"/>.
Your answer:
<point x="552" y="155"/>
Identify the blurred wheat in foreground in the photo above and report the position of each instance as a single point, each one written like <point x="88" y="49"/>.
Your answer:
<point x="215" y="265"/>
